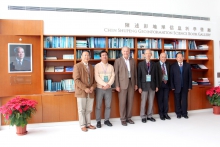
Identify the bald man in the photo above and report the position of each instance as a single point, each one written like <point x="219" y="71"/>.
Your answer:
<point x="162" y="94"/>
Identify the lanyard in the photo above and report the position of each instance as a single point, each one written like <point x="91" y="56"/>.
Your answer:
<point x="104" y="69"/>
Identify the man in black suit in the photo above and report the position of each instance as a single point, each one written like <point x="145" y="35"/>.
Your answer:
<point x="163" y="70"/>
<point x="19" y="63"/>
<point x="148" y="84"/>
<point x="181" y="83"/>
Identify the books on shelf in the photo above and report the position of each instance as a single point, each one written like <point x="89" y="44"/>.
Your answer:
<point x="59" y="42"/>
<point x="172" y="54"/>
<point x="81" y="43"/>
<point x="94" y="42"/>
<point x="194" y="83"/>
<point x="150" y="43"/>
<point x="59" y="68"/>
<point x="203" y="47"/>
<point x="49" y="69"/>
<point x="175" y="44"/>
<point x="68" y="85"/>
<point x="202" y="66"/>
<point x="201" y="56"/>
<point x="51" y="58"/>
<point x="203" y="81"/>
<point x="114" y="54"/>
<point x="120" y="42"/>
<point x="198" y="66"/>
<point x="96" y="54"/>
<point x="191" y="57"/>
<point x="69" y="69"/>
<point x="68" y="56"/>
<point x="65" y="84"/>
<point x="192" y="45"/>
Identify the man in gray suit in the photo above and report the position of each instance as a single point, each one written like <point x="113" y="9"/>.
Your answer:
<point x="126" y="84"/>
<point x="148" y="84"/>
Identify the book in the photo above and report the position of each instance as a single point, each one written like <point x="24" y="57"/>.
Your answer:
<point x="49" y="69"/>
<point x="68" y="56"/>
<point x="96" y="54"/>
<point x="59" y="68"/>
<point x="51" y="58"/>
<point x="69" y="69"/>
<point x="195" y="66"/>
<point x="202" y="66"/>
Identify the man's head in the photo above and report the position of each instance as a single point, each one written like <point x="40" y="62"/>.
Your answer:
<point x="85" y="56"/>
<point x="125" y="52"/>
<point x="163" y="57"/>
<point x="147" y="54"/>
<point x="179" y="57"/>
<point x="104" y="56"/>
<point x="19" y="51"/>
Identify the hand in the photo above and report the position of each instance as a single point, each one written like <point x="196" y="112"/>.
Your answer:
<point x="135" y="87"/>
<point x="140" y="90"/>
<point x="157" y="89"/>
<point x="87" y="90"/>
<point x="118" y="89"/>
<point x="91" y="89"/>
<point x="106" y="87"/>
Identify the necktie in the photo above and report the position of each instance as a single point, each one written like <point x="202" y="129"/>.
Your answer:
<point x="181" y="70"/>
<point x="164" y="73"/>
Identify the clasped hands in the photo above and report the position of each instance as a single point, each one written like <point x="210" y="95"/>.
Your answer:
<point x="89" y="90"/>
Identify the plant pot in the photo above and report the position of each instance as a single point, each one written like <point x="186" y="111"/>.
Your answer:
<point x="216" y="110"/>
<point x="21" y="130"/>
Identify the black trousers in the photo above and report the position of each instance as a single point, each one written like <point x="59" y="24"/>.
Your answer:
<point x="163" y="98"/>
<point x="181" y="102"/>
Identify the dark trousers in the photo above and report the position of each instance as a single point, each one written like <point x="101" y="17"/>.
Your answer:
<point x="163" y="98"/>
<point x="181" y="102"/>
<point x="126" y="97"/>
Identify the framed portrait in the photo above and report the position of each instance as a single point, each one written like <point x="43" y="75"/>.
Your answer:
<point x="19" y="58"/>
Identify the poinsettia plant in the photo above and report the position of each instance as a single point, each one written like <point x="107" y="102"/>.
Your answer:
<point x="213" y="95"/>
<point x="18" y="110"/>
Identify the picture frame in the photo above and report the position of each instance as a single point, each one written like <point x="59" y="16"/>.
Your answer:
<point x="19" y="58"/>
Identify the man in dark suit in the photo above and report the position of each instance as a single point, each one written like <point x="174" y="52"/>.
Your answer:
<point x="147" y="84"/>
<point x="163" y="68"/>
<point x="19" y="63"/>
<point x="126" y="84"/>
<point x="181" y="83"/>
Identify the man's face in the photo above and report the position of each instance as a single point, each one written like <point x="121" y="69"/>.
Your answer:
<point x="20" y="53"/>
<point x="104" y="57"/>
<point x="147" y="54"/>
<point x="125" y="52"/>
<point x="179" y="58"/>
<point x="85" y="57"/>
<point x="163" y="57"/>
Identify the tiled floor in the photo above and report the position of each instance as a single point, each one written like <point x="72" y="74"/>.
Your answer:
<point x="201" y="129"/>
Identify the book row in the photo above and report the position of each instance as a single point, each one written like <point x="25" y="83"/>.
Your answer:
<point x="63" y="85"/>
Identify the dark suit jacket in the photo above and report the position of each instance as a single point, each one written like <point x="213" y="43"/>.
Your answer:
<point x="80" y="76"/>
<point x="14" y="66"/>
<point x="175" y="77"/>
<point x="121" y="73"/>
<point x="160" y="73"/>
<point x="142" y="72"/>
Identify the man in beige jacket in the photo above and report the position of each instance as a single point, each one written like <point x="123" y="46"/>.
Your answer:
<point x="104" y="76"/>
<point x="85" y="84"/>
<point x="126" y="84"/>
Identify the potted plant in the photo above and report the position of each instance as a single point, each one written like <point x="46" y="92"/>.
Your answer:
<point x="213" y="95"/>
<point x="17" y="111"/>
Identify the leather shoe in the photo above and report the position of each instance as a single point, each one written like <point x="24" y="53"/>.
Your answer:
<point x="98" y="124"/>
<point x="129" y="121"/>
<point x="91" y="127"/>
<point x="151" y="119"/>
<point x="107" y="122"/>
<point x="84" y="129"/>
<point x="123" y="123"/>
<point x="186" y="117"/>
<point x="162" y="117"/>
<point x="178" y="116"/>
<point x="167" y="116"/>
<point x="144" y="120"/>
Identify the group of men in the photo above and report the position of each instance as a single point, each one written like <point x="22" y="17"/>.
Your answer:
<point x="149" y="77"/>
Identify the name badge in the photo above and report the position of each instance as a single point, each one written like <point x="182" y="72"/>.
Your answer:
<point x="129" y="74"/>
<point x="148" y="78"/>
<point x="106" y="79"/>
<point x="165" y="77"/>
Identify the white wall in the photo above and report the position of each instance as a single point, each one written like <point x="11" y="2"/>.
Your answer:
<point x="63" y="22"/>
